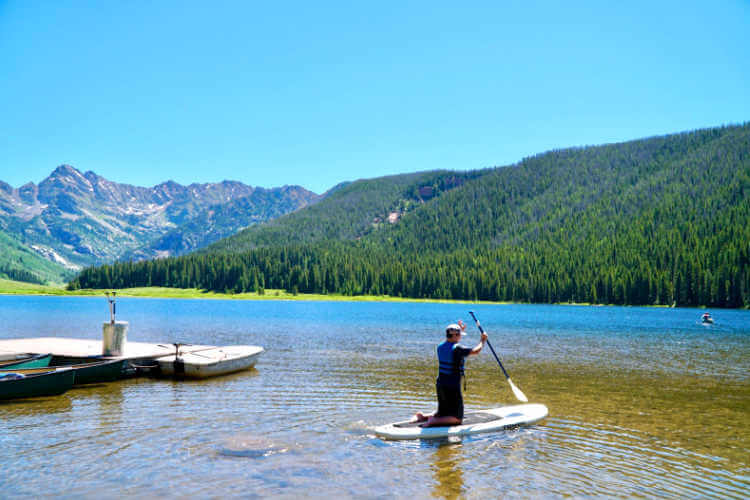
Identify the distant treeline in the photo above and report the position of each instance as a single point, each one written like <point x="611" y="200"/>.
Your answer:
<point x="499" y="275"/>
<point x="656" y="221"/>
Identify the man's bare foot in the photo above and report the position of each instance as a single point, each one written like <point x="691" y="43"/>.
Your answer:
<point x="434" y="421"/>
<point x="419" y="417"/>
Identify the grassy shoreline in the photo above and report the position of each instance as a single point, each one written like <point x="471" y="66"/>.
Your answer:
<point x="8" y="287"/>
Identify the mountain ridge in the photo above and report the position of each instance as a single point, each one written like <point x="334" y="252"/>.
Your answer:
<point x="80" y="219"/>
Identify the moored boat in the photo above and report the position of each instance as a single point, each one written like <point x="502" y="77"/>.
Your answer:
<point x="86" y="373"/>
<point x="35" y="361"/>
<point x="49" y="383"/>
<point x="209" y="362"/>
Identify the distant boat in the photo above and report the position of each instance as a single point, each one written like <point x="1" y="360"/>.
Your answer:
<point x="707" y="319"/>
<point x="86" y="373"/>
<point x="34" y="361"/>
<point x="209" y="362"/>
<point x="50" y="383"/>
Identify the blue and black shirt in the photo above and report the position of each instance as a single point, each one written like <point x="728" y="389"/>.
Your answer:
<point x="451" y="358"/>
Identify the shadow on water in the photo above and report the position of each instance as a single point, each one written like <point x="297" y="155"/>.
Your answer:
<point x="211" y="381"/>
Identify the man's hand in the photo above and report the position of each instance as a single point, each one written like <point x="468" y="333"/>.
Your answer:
<point x="478" y="348"/>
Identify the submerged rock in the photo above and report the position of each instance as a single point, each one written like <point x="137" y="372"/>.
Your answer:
<point x="251" y="445"/>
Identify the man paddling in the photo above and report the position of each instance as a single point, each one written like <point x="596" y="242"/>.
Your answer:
<point x="451" y="356"/>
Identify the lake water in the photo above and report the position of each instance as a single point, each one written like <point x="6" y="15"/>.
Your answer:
<point x="642" y="401"/>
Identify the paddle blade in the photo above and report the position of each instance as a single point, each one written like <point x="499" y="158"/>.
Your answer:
<point x="519" y="395"/>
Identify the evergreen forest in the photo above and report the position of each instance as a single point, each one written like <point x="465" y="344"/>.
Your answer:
<point x="658" y="221"/>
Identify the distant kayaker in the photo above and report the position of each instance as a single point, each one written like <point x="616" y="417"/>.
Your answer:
<point x="451" y="356"/>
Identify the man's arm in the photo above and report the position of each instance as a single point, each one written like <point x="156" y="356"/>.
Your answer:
<point x="478" y="348"/>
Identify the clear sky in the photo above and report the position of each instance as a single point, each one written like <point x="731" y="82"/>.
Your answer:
<point x="315" y="93"/>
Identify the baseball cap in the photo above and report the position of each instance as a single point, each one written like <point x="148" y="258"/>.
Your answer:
<point x="454" y="326"/>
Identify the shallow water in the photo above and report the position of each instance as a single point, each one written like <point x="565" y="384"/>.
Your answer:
<point x="643" y="402"/>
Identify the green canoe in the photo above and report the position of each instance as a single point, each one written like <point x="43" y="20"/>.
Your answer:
<point x="86" y="373"/>
<point x="35" y="361"/>
<point x="49" y="383"/>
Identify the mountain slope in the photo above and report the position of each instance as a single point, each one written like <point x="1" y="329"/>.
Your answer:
<point x="349" y="211"/>
<point x="656" y="221"/>
<point x="222" y="220"/>
<point x="19" y="263"/>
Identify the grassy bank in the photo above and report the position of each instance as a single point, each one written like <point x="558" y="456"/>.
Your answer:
<point x="8" y="287"/>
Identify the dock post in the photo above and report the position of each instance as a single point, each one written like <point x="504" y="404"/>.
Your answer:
<point x="114" y="337"/>
<point x="114" y="333"/>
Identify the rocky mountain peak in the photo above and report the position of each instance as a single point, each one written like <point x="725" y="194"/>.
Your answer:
<point x="67" y="179"/>
<point x="64" y="169"/>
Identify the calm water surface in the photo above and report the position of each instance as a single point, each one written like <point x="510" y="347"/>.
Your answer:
<point x="643" y="402"/>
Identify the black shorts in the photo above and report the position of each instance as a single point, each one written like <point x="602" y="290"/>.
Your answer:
<point x="450" y="401"/>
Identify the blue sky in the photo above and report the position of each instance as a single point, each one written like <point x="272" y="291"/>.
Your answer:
<point x="316" y="93"/>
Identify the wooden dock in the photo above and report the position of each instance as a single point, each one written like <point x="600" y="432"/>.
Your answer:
<point x="81" y="348"/>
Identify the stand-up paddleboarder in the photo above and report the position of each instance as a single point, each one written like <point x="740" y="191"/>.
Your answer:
<point x="451" y="355"/>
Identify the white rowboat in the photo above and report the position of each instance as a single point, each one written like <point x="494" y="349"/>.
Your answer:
<point x="210" y="362"/>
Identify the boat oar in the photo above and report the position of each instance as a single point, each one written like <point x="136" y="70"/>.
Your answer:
<point x="519" y="395"/>
<point x="190" y="352"/>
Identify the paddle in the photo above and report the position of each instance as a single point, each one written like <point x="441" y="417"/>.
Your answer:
<point x="519" y="395"/>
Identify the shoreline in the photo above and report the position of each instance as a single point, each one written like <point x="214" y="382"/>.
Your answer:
<point x="8" y="287"/>
<point x="18" y="288"/>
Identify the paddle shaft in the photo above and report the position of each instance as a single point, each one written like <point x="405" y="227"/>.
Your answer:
<point x="518" y="393"/>
<point x="481" y="330"/>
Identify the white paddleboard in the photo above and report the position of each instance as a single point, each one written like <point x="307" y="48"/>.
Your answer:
<point x="474" y="422"/>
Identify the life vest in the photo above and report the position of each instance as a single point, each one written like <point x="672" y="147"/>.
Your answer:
<point x="450" y="368"/>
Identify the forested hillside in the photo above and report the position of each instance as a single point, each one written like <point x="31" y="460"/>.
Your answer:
<point x="348" y="211"/>
<point x="19" y="263"/>
<point x="662" y="220"/>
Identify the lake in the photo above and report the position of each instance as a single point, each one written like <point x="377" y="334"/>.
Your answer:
<point x="642" y="402"/>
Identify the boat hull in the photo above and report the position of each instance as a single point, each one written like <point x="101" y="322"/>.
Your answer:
<point x="36" y="361"/>
<point x="51" y="383"/>
<point x="212" y="362"/>
<point x="86" y="373"/>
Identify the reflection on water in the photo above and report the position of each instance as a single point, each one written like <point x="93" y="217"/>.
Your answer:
<point x="449" y="480"/>
<point x="35" y="406"/>
<point x="643" y="402"/>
